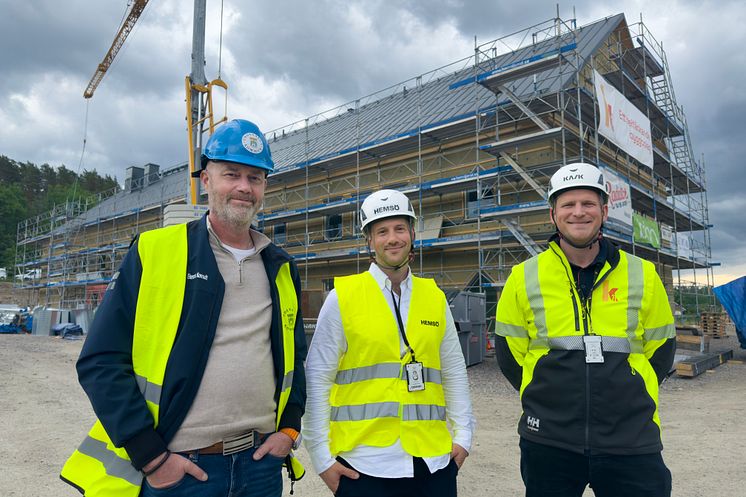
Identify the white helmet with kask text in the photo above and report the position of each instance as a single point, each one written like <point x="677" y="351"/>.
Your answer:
<point x="383" y="204"/>
<point x="577" y="175"/>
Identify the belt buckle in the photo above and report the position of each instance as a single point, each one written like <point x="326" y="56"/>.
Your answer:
<point x="238" y="443"/>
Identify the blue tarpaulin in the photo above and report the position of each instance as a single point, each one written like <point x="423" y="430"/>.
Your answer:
<point x="732" y="296"/>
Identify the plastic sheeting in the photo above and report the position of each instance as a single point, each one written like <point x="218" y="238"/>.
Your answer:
<point x="733" y="298"/>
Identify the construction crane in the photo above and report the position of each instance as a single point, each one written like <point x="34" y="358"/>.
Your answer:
<point x="200" y="111"/>
<point x="129" y="23"/>
<point x="200" y="114"/>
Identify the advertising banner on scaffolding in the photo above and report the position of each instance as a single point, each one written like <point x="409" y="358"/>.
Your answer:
<point x="683" y="243"/>
<point x="622" y="123"/>
<point x="620" y="201"/>
<point x="646" y="230"/>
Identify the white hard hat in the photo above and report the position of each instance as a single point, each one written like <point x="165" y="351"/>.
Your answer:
<point x="577" y="175"/>
<point x="383" y="204"/>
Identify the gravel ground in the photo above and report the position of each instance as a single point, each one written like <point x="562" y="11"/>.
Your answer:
<point x="45" y="415"/>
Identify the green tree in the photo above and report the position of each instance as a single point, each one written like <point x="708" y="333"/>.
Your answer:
<point x="27" y="190"/>
<point x="9" y="172"/>
<point x="12" y="211"/>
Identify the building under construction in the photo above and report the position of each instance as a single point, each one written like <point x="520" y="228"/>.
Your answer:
<point x="473" y="145"/>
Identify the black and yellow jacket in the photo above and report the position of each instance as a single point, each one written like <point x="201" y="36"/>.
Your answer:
<point x="591" y="408"/>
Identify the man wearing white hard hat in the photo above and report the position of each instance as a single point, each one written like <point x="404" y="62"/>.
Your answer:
<point x="585" y="333"/>
<point x="386" y="373"/>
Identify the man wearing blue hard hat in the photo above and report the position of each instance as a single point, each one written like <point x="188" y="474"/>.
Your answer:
<point x="194" y="362"/>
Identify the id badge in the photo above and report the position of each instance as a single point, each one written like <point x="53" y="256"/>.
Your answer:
<point x="415" y="382"/>
<point x="594" y="352"/>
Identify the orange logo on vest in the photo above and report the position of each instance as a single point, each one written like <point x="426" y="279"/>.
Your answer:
<point x="609" y="294"/>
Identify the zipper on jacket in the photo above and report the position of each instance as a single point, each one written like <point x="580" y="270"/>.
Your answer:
<point x="587" y="423"/>
<point x="587" y="324"/>
<point x="575" y="308"/>
<point x="586" y="316"/>
<point x="585" y="303"/>
<point x="573" y="290"/>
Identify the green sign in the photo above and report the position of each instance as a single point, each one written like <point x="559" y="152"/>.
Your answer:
<point x="646" y="230"/>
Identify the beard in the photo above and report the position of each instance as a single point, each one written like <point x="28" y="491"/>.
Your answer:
<point x="239" y="217"/>
<point x="394" y="261"/>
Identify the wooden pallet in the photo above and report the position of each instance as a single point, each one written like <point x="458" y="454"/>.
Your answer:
<point x="713" y="324"/>
<point x="695" y="366"/>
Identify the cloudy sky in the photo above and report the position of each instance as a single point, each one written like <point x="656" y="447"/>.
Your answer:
<point x="286" y="60"/>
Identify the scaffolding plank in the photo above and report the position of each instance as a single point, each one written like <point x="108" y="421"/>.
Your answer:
<point x="695" y="366"/>
<point x="496" y="147"/>
<point x="514" y="209"/>
<point x="690" y="342"/>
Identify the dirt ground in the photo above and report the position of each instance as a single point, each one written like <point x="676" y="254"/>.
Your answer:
<point x="44" y="415"/>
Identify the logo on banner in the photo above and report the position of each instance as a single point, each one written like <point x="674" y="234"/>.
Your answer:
<point x="617" y="193"/>
<point x="608" y="109"/>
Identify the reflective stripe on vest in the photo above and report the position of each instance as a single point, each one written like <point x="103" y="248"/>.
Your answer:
<point x="410" y="412"/>
<point x="635" y="280"/>
<point x="370" y="404"/>
<point x="388" y="370"/>
<point x="608" y="344"/>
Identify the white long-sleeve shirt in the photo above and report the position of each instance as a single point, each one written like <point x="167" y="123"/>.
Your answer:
<point x="327" y="347"/>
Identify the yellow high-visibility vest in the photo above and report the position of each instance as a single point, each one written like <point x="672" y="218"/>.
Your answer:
<point x="98" y="468"/>
<point x="370" y="402"/>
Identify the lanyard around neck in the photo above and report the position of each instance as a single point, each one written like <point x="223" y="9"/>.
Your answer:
<point x="401" y="325"/>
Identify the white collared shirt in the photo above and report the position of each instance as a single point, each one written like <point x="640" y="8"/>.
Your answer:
<point x="327" y="347"/>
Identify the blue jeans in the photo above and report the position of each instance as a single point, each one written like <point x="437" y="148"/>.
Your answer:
<point x="237" y="475"/>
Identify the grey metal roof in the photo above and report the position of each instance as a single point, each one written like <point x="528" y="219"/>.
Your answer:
<point x="170" y="186"/>
<point x="435" y="99"/>
<point x="412" y="106"/>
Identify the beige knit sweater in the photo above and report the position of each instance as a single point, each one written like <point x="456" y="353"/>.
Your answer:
<point x="237" y="390"/>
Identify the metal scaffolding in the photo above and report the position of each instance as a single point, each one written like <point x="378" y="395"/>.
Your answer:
<point x="473" y="145"/>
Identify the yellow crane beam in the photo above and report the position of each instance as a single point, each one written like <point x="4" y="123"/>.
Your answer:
<point x="124" y="31"/>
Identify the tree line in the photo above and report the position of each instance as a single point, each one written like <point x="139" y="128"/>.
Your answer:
<point x="27" y="190"/>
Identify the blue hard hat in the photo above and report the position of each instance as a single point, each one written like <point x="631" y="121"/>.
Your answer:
<point x="238" y="141"/>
